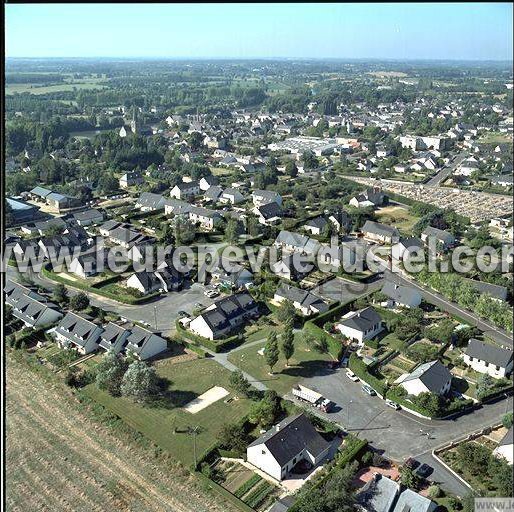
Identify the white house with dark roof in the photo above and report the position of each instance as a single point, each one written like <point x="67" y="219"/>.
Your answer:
<point x="304" y="301"/>
<point x="231" y="196"/>
<point x="406" y="248"/>
<point x="78" y="332"/>
<point x="488" y="358"/>
<point x="185" y="190"/>
<point x="286" y="444"/>
<point x="432" y="377"/>
<point x="224" y="315"/>
<point x="361" y="325"/>
<point x="316" y="226"/>
<point x="261" y="197"/>
<point x="268" y="214"/>
<point x="150" y="202"/>
<point x="114" y="337"/>
<point x="144" y="344"/>
<point x="380" y="232"/>
<point x="401" y="296"/>
<point x="444" y="239"/>
<point x="207" y="182"/>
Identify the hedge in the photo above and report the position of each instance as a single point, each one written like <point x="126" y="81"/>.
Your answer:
<point x="360" y="369"/>
<point x="214" y="345"/>
<point x="97" y="291"/>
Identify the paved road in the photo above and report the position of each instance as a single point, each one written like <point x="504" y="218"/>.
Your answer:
<point x="447" y="170"/>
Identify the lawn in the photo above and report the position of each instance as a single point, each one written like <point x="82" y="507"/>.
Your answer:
<point x="305" y="362"/>
<point x="495" y="138"/>
<point x="397" y="216"/>
<point x="159" y="423"/>
<point x="64" y="87"/>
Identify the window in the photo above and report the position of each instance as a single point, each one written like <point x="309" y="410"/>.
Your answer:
<point x="497" y="368"/>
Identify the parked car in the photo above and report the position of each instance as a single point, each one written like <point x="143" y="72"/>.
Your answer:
<point x="411" y="463"/>
<point x="369" y="390"/>
<point x="182" y="314"/>
<point x="424" y="470"/>
<point x="344" y="362"/>
<point x="211" y="293"/>
<point x="352" y="376"/>
<point x="393" y="405"/>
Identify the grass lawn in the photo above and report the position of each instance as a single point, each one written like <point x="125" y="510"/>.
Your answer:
<point x="221" y="171"/>
<point x="304" y="363"/>
<point x="397" y="216"/>
<point x="188" y="380"/>
<point x="63" y="87"/>
<point x="495" y="138"/>
<point x="393" y="342"/>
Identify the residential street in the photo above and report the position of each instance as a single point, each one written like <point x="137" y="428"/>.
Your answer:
<point x="447" y="170"/>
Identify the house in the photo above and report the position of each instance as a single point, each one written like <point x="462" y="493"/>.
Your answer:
<point x="149" y="202"/>
<point x="78" y="332"/>
<point x="261" y="197"/>
<point x="213" y="194"/>
<point x="231" y="274"/>
<point x="205" y="218"/>
<point x="39" y="194"/>
<point x="90" y="262"/>
<point x="291" y="267"/>
<point x="268" y="214"/>
<point x="185" y="190"/>
<point x="88" y="217"/>
<point x="502" y="181"/>
<point x="378" y="495"/>
<point x="341" y="221"/>
<point x="505" y="448"/>
<point x="304" y="301"/>
<point x="360" y="325"/>
<point x="316" y="226"/>
<point x="224" y="315"/>
<point x="286" y="444"/>
<point x="171" y="279"/>
<point x="401" y="296"/>
<point x="22" y="211"/>
<point x="145" y="281"/>
<point x="207" y="182"/>
<point x="144" y="344"/>
<point x="231" y="196"/>
<point x="443" y="239"/>
<point x="59" y="201"/>
<point x="488" y="358"/>
<point x="294" y="242"/>
<point x="406" y="248"/>
<point x="380" y="232"/>
<point x="370" y="197"/>
<point x="32" y="309"/>
<point x="131" y="179"/>
<point x="177" y="207"/>
<point x="114" y="337"/>
<point x="432" y="377"/>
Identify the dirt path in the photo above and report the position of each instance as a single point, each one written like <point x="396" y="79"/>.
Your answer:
<point x="60" y="460"/>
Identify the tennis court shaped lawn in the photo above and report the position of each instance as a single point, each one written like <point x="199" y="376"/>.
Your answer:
<point x="167" y="424"/>
<point x="305" y="362"/>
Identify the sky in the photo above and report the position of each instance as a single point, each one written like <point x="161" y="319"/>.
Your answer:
<point x="459" y="31"/>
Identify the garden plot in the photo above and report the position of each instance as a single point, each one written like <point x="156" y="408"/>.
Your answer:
<point x="208" y="398"/>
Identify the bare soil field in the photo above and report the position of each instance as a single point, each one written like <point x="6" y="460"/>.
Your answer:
<point x="58" y="459"/>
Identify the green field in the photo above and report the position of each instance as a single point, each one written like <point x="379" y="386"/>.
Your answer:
<point x="304" y="363"/>
<point x="187" y="381"/>
<point x="398" y="217"/>
<point x="495" y="138"/>
<point x="37" y="89"/>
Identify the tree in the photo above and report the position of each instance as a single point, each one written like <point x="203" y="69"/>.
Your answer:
<point x="291" y="169"/>
<point x="288" y="344"/>
<point x="234" y="437"/>
<point x="271" y="351"/>
<point x="183" y="230"/>
<point x="265" y="412"/>
<point x="430" y="402"/>
<point x="286" y="312"/>
<point x="507" y="420"/>
<point x="322" y="345"/>
<point x="109" y="373"/>
<point x="240" y="383"/>
<point x="231" y="231"/>
<point x="434" y="491"/>
<point x="484" y="384"/>
<point x="60" y="294"/>
<point x="140" y="382"/>
<point x="409" y="478"/>
<point x="79" y="302"/>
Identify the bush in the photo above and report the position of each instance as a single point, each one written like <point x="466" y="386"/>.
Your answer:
<point x="434" y="491"/>
<point x="360" y="369"/>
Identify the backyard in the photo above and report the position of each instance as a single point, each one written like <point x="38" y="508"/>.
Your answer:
<point x="166" y="424"/>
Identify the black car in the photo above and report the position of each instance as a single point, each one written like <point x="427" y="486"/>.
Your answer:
<point x="424" y="470"/>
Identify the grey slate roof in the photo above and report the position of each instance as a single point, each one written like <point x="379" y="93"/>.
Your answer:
<point x="410" y="501"/>
<point x="362" y="320"/>
<point x="379" y="229"/>
<point x="401" y="294"/>
<point x="494" y="290"/>
<point x="318" y="222"/>
<point x="89" y="214"/>
<point x="379" y="494"/>
<point x="151" y="200"/>
<point x="290" y="437"/>
<point x="40" y="191"/>
<point x="411" y="242"/>
<point x="489" y="353"/>
<point x="439" y="234"/>
<point x="270" y="210"/>
<point x="304" y="297"/>
<point x="112" y="333"/>
<point x="433" y="375"/>
<point x="76" y="328"/>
